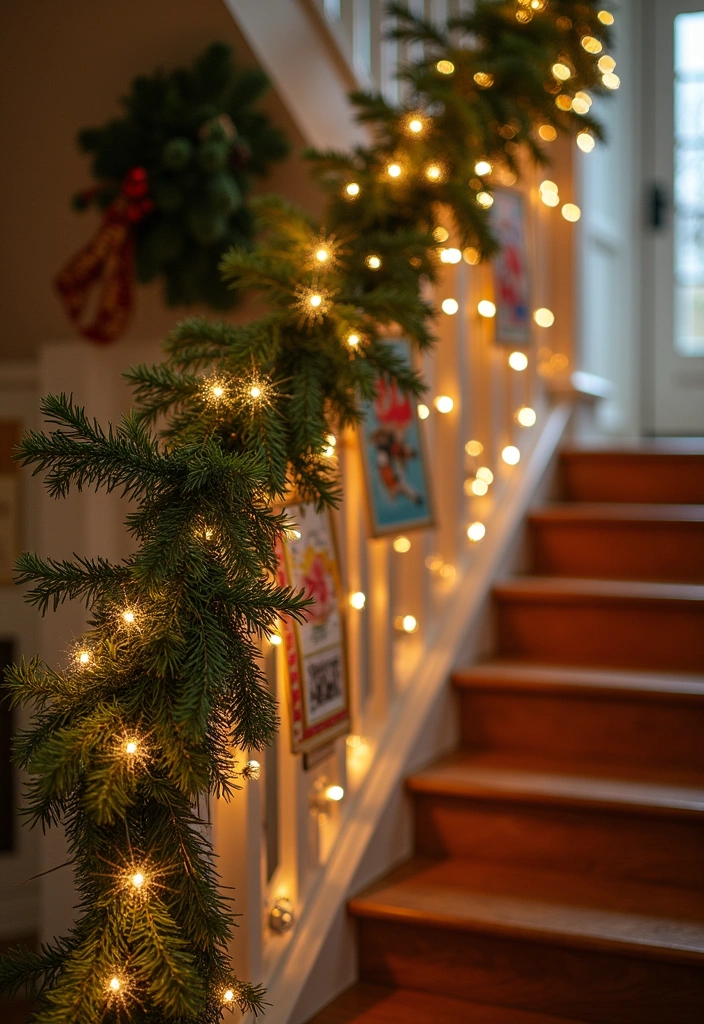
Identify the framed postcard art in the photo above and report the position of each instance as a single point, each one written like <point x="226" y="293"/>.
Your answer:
<point x="315" y="651"/>
<point x="394" y="458"/>
<point x="511" y="269"/>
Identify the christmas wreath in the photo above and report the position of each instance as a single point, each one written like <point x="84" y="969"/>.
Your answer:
<point x="173" y="175"/>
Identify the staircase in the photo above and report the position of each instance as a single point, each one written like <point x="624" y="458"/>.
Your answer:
<point x="559" y="867"/>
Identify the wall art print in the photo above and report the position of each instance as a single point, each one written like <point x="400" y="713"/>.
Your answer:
<point x="511" y="269"/>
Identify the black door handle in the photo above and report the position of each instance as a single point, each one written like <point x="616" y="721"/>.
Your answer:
<point x="657" y="213"/>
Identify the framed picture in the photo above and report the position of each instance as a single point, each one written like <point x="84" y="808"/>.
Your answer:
<point x="511" y="269"/>
<point x="394" y="458"/>
<point x="316" y="656"/>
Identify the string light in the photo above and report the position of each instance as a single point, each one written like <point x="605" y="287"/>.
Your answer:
<point x="275" y="639"/>
<point x="131" y="747"/>
<point x="445" y="67"/>
<point x="571" y="212"/>
<point x="114" y="984"/>
<point x="474" y="448"/>
<point x="434" y="173"/>
<point x="547" y="133"/>
<point x="450" y="255"/>
<point x="511" y="455"/>
<point x="450" y="306"/>
<point x="358" y="600"/>
<point x="591" y="44"/>
<point x="585" y="142"/>
<point x="606" y="17"/>
<point x="479" y="487"/>
<point x="606" y="64"/>
<point x="373" y="262"/>
<point x="217" y="391"/>
<point x="550" y="198"/>
<point x="482" y="167"/>
<point x="406" y="623"/>
<point x="416" y="125"/>
<point x="561" y="72"/>
<point x="444" y="404"/>
<point x="485" y="199"/>
<point x="441" y="234"/>
<point x="525" y="416"/>
<point x="352" y="190"/>
<point x="137" y="880"/>
<point x="334" y="793"/>
<point x="580" y="105"/>
<point x="353" y="340"/>
<point x="518" y="361"/>
<point x="544" y="317"/>
<point x="313" y="303"/>
<point x="402" y="545"/>
<point x="394" y="170"/>
<point x="83" y="657"/>
<point x="611" y="81"/>
<point x="484" y="80"/>
<point x="485" y="474"/>
<point x="476" y="532"/>
<point x="563" y="102"/>
<point x="253" y="769"/>
<point x="128" y="617"/>
<point x="471" y="255"/>
<point x="486" y="309"/>
<point x="433" y="563"/>
<point x="423" y="411"/>
<point x="228" y="995"/>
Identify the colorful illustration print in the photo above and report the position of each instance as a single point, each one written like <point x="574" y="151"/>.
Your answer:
<point x="511" y="272"/>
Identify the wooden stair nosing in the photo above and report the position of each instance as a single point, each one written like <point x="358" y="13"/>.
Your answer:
<point x="570" y="590"/>
<point x="510" y="911"/>
<point x="613" y="514"/>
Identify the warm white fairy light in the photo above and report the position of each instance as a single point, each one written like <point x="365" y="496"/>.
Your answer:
<point x="444" y="404"/>
<point x="402" y="545"/>
<point x="474" y="448"/>
<point x="586" y="142"/>
<point x="486" y="308"/>
<point x="83" y="657"/>
<point x="253" y="769"/>
<point x="544" y="317"/>
<point x="334" y="793"/>
<point x="611" y="81"/>
<point x="525" y="416"/>
<point x="137" y="880"/>
<point x="131" y="747"/>
<point x="373" y="261"/>
<point x="482" y="168"/>
<point x="450" y="306"/>
<point x="394" y="170"/>
<point x="591" y="44"/>
<point x="353" y="340"/>
<point x="550" y="198"/>
<point x="548" y="186"/>
<point x="484" y="80"/>
<point x="606" y="64"/>
<point x="128" y="617"/>
<point x="228" y="995"/>
<point x="423" y="411"/>
<point x="561" y="72"/>
<point x="511" y="455"/>
<point x="571" y="212"/>
<point x="476" y="531"/>
<point x="518" y="361"/>
<point x="358" y="600"/>
<point x="580" y="105"/>
<point x="471" y="255"/>
<point x="485" y="199"/>
<point x="485" y="474"/>
<point x="547" y="133"/>
<point x="115" y="984"/>
<point x="416" y="125"/>
<point x="606" y="17"/>
<point x="352" y="190"/>
<point x="322" y="254"/>
<point x="406" y="623"/>
<point x="434" y="172"/>
<point x="441" y="234"/>
<point x="450" y="255"/>
<point x="479" y="487"/>
<point x="217" y="391"/>
<point x="445" y="67"/>
<point x="274" y="639"/>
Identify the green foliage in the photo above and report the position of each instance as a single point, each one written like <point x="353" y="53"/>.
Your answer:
<point x="200" y="137"/>
<point x="131" y="737"/>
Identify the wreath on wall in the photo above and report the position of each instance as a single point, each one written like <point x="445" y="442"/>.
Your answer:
<point x="173" y="176"/>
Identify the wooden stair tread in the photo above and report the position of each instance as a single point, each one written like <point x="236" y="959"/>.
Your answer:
<point x="655" y="921"/>
<point x="640" y="451"/>
<point x="611" y="512"/>
<point x="378" y="1004"/>
<point x="498" y="776"/>
<point x="514" y="674"/>
<point x="570" y="590"/>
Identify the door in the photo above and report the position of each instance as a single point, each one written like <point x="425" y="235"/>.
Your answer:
<point x="673" y="129"/>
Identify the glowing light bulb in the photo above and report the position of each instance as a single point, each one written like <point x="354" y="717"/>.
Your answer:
<point x="406" y="623"/>
<point x="423" y="411"/>
<point x="605" y="17"/>
<point x="83" y="657"/>
<point x="450" y="306"/>
<point x="474" y="448"/>
<point x="486" y="308"/>
<point x="581" y="95"/>
<point x="471" y="255"/>
<point x="444" y="404"/>
<point x="254" y="769"/>
<point x="137" y="880"/>
<point x="571" y="212"/>
<point x="334" y="793"/>
<point x="563" y="102"/>
<point x="561" y="72"/>
<point x="128" y="617"/>
<point x="450" y="255"/>
<point x="511" y="455"/>
<point x="445" y="67"/>
<point x="353" y="340"/>
<point x="358" y="600"/>
<point x="131" y="747"/>
<point x="585" y="142"/>
<point x="547" y="133"/>
<point x="544" y="317"/>
<point x="433" y="172"/>
<point x="479" y="487"/>
<point x="548" y="186"/>
<point x="217" y="391"/>
<point x="441" y="234"/>
<point x="228" y="995"/>
<point x="485" y="199"/>
<point x="580" y="106"/>
<point x="476" y="531"/>
<point x="394" y="170"/>
<point x="485" y="474"/>
<point x="352" y="189"/>
<point x="606" y="64"/>
<point x="415" y="125"/>
<point x="373" y="262"/>
<point x="484" y="80"/>
<point x="275" y="639"/>
<point x="550" y="198"/>
<point x="322" y="254"/>
<point x="402" y="545"/>
<point x="526" y="416"/>
<point x="591" y="44"/>
<point x="482" y="167"/>
<point x="518" y="361"/>
<point x="611" y="81"/>
<point x="114" y="984"/>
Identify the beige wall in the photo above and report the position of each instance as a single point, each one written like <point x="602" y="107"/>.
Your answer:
<point x="63" y="66"/>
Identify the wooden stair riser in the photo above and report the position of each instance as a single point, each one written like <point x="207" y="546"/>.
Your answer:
<point x="618" y="549"/>
<point x="633" y="477"/>
<point x="589" y="728"/>
<point x="587" y="984"/>
<point x="612" y="844"/>
<point x="611" y="631"/>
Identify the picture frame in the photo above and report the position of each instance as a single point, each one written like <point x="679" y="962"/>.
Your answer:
<point x="394" y="458"/>
<point x="315" y="650"/>
<point x="511" y="269"/>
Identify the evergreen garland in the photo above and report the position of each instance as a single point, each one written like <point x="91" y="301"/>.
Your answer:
<point x="131" y="737"/>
